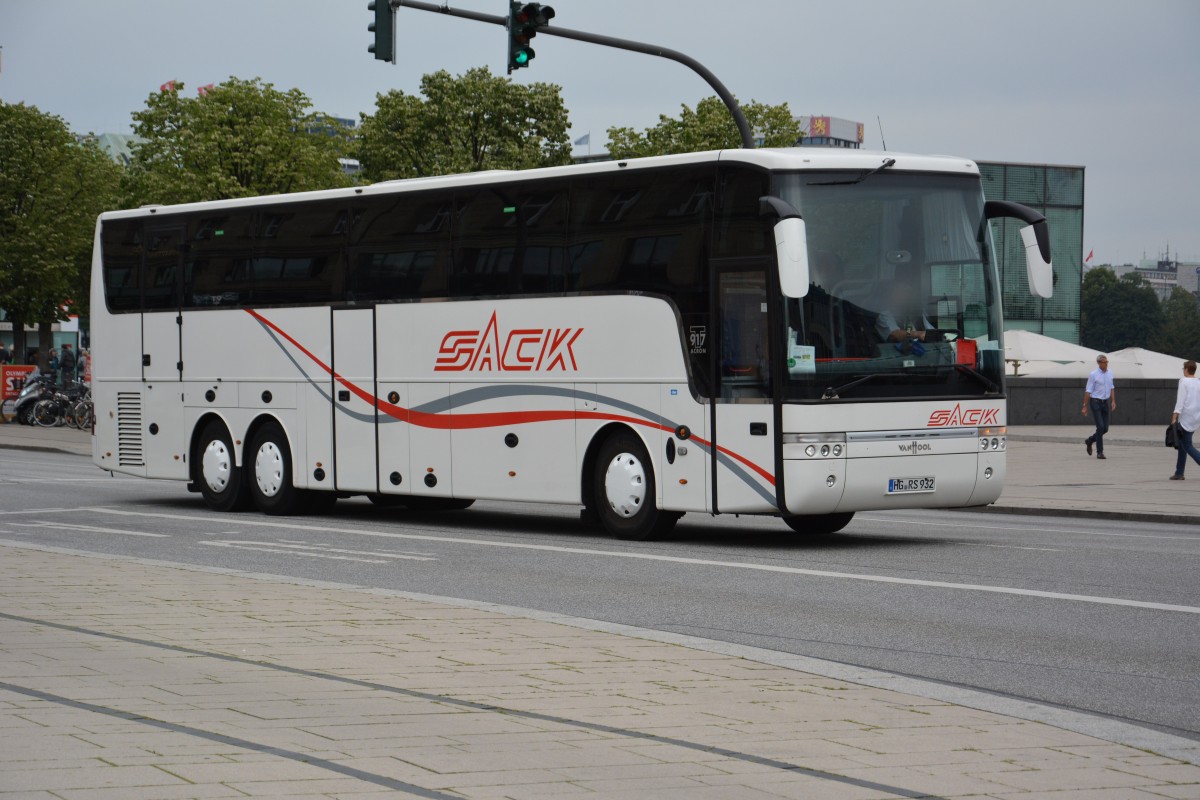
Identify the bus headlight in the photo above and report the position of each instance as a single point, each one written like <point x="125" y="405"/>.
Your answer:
<point x="810" y="451"/>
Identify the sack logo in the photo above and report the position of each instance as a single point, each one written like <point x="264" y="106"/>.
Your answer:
<point x="957" y="416"/>
<point x="517" y="350"/>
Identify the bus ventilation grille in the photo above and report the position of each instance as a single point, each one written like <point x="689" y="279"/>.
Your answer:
<point x="129" y="430"/>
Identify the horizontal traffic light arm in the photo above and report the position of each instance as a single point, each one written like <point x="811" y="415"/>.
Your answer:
<point x="606" y="41"/>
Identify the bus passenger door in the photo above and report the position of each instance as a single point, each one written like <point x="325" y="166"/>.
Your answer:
<point x="744" y="414"/>
<point x="162" y="419"/>
<point x="354" y="417"/>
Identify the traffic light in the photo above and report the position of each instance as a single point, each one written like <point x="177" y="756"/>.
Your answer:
<point x="384" y="28"/>
<point x="524" y="19"/>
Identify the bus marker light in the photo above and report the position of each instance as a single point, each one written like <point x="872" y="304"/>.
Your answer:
<point x="830" y="481"/>
<point x="987" y="473"/>
<point x="683" y="481"/>
<point x="512" y="474"/>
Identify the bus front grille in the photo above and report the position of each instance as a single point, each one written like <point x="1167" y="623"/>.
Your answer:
<point x="129" y="430"/>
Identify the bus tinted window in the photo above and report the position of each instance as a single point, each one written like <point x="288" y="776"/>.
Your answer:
<point x="219" y="247"/>
<point x="509" y="240"/>
<point x="160" y="290"/>
<point x="741" y="231"/>
<point x="641" y="232"/>
<point x="400" y="247"/>
<point x="121" y="255"/>
<point x="299" y="254"/>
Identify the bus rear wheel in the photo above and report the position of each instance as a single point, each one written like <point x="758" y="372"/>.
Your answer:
<point x="623" y="491"/>
<point x="819" y="524"/>
<point x="270" y="464"/>
<point x="221" y="481"/>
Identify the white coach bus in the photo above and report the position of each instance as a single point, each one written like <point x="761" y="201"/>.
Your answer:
<point x="713" y="333"/>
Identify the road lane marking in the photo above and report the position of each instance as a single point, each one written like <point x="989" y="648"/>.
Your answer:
<point x="1029" y="529"/>
<point x="316" y="551"/>
<point x="704" y="562"/>
<point x="70" y="528"/>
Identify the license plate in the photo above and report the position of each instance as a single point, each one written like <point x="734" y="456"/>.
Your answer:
<point x="909" y="485"/>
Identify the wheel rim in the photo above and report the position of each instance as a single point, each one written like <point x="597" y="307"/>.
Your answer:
<point x="625" y="485"/>
<point x="268" y="469"/>
<point x="217" y="465"/>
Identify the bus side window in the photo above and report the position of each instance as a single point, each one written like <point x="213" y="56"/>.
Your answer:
<point x="399" y="248"/>
<point x="121" y="249"/>
<point x="299" y="258"/>
<point x="510" y="241"/>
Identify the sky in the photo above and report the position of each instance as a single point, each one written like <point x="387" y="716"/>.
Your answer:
<point x="1111" y="86"/>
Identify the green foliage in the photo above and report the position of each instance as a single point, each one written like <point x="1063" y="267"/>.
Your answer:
<point x="238" y="139"/>
<point x="52" y="188"/>
<point x="1118" y="312"/>
<point x="473" y="122"/>
<point x="1180" y="334"/>
<point x="709" y="126"/>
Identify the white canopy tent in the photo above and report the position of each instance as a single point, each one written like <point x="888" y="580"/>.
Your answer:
<point x="1129" y="364"/>
<point x="1028" y="353"/>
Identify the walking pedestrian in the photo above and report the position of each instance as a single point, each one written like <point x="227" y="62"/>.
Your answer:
<point x="1186" y="418"/>
<point x="1099" y="396"/>
<point x="66" y="363"/>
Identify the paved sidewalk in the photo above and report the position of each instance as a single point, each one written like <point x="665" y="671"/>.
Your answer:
<point x="128" y="679"/>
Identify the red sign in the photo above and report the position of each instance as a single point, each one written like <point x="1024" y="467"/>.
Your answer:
<point x="12" y="378"/>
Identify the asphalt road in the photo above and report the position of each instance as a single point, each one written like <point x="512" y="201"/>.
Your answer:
<point x="1087" y="614"/>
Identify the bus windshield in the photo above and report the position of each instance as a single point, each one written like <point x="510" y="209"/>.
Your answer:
<point x="903" y="300"/>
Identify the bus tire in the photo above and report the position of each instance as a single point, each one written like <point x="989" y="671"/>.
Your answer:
<point x="269" y="463"/>
<point x="624" y="491"/>
<point x="222" y="482"/>
<point x="819" y="524"/>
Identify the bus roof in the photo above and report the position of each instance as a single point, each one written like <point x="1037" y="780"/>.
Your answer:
<point x="775" y="159"/>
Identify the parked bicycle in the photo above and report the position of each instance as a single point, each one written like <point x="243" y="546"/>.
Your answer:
<point x="71" y="405"/>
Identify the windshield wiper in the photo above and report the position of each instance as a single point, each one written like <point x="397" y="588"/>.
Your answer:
<point x="887" y="162"/>
<point x="989" y="384"/>
<point x="834" y="393"/>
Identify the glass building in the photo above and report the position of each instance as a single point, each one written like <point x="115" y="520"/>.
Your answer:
<point x="1057" y="192"/>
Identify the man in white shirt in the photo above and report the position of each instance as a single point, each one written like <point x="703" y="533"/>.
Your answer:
<point x="1101" y="397"/>
<point x="1187" y="414"/>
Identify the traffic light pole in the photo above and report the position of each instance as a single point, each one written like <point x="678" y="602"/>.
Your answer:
<point x="607" y="41"/>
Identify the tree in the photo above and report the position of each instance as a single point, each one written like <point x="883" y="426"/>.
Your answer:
<point x="1118" y="312"/>
<point x="1181" y="332"/>
<point x="237" y="139"/>
<point x="709" y="127"/>
<point x="472" y="122"/>
<point x="52" y="187"/>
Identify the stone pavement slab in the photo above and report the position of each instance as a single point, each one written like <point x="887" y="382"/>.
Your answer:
<point x="125" y="678"/>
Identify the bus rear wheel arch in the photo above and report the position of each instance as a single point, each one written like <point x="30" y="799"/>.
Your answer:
<point x="624" y="490"/>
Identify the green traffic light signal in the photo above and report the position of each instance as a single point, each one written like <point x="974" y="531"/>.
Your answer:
<point x="524" y="19"/>
<point x="384" y="28"/>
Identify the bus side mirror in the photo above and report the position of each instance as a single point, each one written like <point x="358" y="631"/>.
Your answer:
<point x="1036" y="238"/>
<point x="791" y="246"/>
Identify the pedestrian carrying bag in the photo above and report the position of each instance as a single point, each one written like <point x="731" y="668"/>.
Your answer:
<point x="1172" y="437"/>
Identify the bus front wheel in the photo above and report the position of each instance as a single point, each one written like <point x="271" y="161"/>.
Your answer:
<point x="624" y="491"/>
<point x="819" y="524"/>
<point x="221" y="481"/>
<point x="270" y="467"/>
